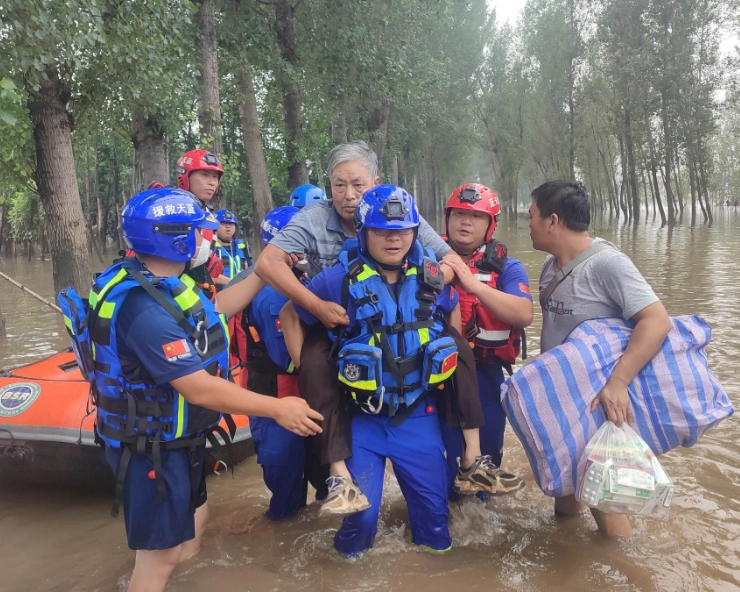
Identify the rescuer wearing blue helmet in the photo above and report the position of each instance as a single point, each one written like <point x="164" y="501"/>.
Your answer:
<point x="306" y="195"/>
<point x="233" y="252"/>
<point x="390" y="359"/>
<point x="287" y="460"/>
<point x="155" y="350"/>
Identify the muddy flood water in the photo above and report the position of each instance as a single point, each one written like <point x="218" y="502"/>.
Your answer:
<point x="60" y="539"/>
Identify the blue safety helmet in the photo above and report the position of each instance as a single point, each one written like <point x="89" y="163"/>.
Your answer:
<point x="163" y="222"/>
<point x="226" y="216"/>
<point x="385" y="207"/>
<point x="275" y="221"/>
<point x="305" y="195"/>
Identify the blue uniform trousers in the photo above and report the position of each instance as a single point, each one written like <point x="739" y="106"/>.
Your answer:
<point x="490" y="379"/>
<point x="282" y="456"/>
<point x="415" y="448"/>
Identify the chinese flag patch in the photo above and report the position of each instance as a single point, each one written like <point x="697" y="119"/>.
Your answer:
<point x="449" y="363"/>
<point x="524" y="288"/>
<point x="176" y="350"/>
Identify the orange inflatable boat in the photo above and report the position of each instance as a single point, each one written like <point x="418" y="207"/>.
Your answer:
<point x="46" y="426"/>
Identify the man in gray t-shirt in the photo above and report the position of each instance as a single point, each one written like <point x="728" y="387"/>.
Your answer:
<point x="319" y="231"/>
<point x="606" y="284"/>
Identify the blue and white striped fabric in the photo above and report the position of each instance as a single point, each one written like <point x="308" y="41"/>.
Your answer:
<point x="675" y="398"/>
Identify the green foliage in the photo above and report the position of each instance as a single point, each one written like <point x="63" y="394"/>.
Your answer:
<point x="26" y="217"/>
<point x="571" y="87"/>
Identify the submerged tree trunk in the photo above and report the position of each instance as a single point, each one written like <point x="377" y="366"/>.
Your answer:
<point x="148" y="139"/>
<point x="679" y="190"/>
<point x="632" y="172"/>
<point x="702" y="182"/>
<point x="297" y="171"/>
<point x="654" y="170"/>
<point x="206" y="48"/>
<point x="252" y="135"/>
<point x="57" y="184"/>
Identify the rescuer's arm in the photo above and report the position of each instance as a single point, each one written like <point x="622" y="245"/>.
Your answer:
<point x="647" y="338"/>
<point x="292" y="332"/>
<point x="167" y="355"/>
<point x="292" y="413"/>
<point x="274" y="266"/>
<point x="232" y="300"/>
<point x="454" y="319"/>
<point x="516" y="310"/>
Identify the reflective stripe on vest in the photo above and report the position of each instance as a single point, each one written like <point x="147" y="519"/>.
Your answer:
<point x="235" y="262"/>
<point x="494" y="336"/>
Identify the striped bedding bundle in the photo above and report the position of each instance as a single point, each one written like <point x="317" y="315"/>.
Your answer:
<point x="675" y="398"/>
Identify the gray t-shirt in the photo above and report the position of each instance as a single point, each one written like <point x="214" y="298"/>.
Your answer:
<point x="317" y="231"/>
<point x="607" y="284"/>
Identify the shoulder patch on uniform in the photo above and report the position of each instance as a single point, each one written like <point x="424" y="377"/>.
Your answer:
<point x="177" y="350"/>
<point x="433" y="276"/>
<point x="524" y="288"/>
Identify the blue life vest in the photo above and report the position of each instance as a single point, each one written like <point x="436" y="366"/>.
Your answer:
<point x="137" y="415"/>
<point x="267" y="354"/>
<point x="141" y="413"/>
<point x="393" y="351"/>
<point x="234" y="256"/>
<point x="263" y="317"/>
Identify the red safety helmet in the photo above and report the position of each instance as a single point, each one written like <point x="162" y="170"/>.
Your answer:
<point x="196" y="160"/>
<point x="476" y="197"/>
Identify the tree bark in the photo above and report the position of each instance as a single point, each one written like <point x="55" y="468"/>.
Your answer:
<point x="339" y="129"/>
<point x="383" y="135"/>
<point x="677" y="176"/>
<point x="252" y="136"/>
<point x="297" y="171"/>
<point x="654" y="170"/>
<point x="702" y="181"/>
<point x="664" y="115"/>
<point x="632" y="172"/>
<point x="56" y="180"/>
<point x="206" y="48"/>
<point x="3" y="221"/>
<point x="624" y="200"/>
<point x="148" y="139"/>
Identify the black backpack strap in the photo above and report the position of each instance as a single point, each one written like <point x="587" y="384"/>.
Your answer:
<point x="402" y="416"/>
<point x="390" y="359"/>
<point x="354" y="269"/>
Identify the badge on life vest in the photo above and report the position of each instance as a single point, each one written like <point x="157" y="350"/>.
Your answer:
<point x="449" y="363"/>
<point x="352" y="372"/>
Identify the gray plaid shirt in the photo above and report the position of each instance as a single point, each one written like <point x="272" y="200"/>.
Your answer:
<point x="317" y="231"/>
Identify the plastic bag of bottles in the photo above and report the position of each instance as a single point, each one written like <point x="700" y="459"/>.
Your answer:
<point x="619" y="473"/>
